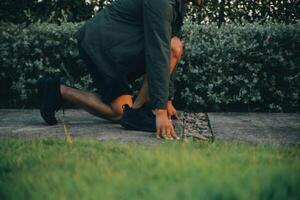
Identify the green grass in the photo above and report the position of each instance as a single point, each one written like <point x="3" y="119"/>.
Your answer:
<point x="50" y="169"/>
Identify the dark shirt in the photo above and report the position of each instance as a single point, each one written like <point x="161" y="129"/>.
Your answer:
<point x="128" y="29"/>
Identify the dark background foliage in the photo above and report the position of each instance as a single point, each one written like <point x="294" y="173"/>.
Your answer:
<point x="47" y="10"/>
<point x="218" y="11"/>
<point x="240" y="11"/>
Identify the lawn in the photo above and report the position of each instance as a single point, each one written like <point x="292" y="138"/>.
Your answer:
<point x="51" y="169"/>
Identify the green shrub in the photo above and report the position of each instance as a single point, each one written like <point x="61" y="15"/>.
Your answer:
<point x="254" y="67"/>
<point x="27" y="53"/>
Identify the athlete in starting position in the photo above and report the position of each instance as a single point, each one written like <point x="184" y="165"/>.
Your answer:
<point x="124" y="41"/>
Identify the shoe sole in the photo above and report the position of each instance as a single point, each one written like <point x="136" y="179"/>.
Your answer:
<point x="45" y="118"/>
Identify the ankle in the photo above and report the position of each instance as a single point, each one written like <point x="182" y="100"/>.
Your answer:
<point x="140" y="102"/>
<point x="63" y="90"/>
<point x="137" y="105"/>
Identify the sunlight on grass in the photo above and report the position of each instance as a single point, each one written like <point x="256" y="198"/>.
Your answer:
<point x="50" y="169"/>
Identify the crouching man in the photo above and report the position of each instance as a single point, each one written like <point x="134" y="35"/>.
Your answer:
<point x="124" y="41"/>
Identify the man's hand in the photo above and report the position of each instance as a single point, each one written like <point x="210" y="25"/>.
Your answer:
<point x="171" y="110"/>
<point x="164" y="126"/>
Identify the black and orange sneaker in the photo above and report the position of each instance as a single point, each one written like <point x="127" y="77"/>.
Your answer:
<point x="141" y="119"/>
<point x="50" y="98"/>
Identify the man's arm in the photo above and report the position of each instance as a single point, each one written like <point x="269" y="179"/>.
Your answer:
<point x="157" y="29"/>
<point x="158" y="32"/>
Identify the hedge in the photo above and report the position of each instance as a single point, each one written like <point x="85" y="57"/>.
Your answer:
<point x="27" y="53"/>
<point x="253" y="67"/>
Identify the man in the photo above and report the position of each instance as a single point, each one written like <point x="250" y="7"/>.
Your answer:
<point x="124" y="41"/>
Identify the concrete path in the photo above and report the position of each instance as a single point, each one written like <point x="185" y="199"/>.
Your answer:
<point x="246" y="127"/>
<point x="271" y="128"/>
<point x="28" y="124"/>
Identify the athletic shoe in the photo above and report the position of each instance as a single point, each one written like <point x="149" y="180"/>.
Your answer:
<point x="50" y="98"/>
<point x="141" y="119"/>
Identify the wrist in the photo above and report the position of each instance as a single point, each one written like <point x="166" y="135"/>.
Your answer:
<point x="160" y="111"/>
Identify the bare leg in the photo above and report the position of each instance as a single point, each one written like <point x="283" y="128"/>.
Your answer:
<point x="176" y="52"/>
<point x="93" y="104"/>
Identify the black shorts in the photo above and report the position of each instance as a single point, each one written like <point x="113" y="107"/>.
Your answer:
<point x="110" y="88"/>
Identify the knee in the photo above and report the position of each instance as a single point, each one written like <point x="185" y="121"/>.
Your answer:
<point x="176" y="47"/>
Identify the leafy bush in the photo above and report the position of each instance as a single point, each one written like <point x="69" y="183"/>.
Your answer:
<point x="26" y="53"/>
<point x="254" y="67"/>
